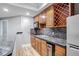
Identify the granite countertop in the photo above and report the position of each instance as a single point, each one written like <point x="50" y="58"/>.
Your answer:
<point x="52" y="40"/>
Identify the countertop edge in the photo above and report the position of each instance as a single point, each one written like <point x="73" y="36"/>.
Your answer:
<point x="49" y="41"/>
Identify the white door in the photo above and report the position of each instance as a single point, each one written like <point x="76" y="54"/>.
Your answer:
<point x="4" y="30"/>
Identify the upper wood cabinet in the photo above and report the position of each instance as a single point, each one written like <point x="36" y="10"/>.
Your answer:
<point x="36" y="18"/>
<point x="55" y="15"/>
<point x="50" y="17"/>
<point x="58" y="13"/>
<point x="42" y="18"/>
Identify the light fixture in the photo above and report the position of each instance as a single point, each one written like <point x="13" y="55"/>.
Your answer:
<point x="43" y="17"/>
<point x="5" y="9"/>
<point x="27" y="13"/>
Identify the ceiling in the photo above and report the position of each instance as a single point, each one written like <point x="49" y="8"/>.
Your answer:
<point x="15" y="9"/>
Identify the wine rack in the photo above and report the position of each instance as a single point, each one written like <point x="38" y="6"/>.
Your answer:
<point x="55" y="15"/>
<point x="61" y="12"/>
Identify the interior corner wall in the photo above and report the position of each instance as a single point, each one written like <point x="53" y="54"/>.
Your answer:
<point x="19" y="24"/>
<point x="27" y="24"/>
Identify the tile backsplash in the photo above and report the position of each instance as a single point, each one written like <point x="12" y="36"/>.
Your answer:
<point x="60" y="32"/>
<point x="46" y="31"/>
<point x="56" y="32"/>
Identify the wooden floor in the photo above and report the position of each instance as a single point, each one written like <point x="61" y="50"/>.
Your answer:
<point x="26" y="51"/>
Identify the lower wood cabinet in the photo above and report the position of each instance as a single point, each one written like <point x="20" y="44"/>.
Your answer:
<point x="43" y="48"/>
<point x="60" y="51"/>
<point x="32" y="41"/>
<point x="38" y="45"/>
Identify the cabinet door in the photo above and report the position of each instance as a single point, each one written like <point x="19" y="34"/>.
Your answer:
<point x="60" y="51"/>
<point x="39" y="46"/>
<point x="36" y="18"/>
<point x="43" y="48"/>
<point x="42" y="18"/>
<point x="50" y="17"/>
<point x="37" y="43"/>
<point x="33" y="41"/>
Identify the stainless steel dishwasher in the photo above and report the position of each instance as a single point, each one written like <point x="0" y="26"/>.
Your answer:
<point x="50" y="49"/>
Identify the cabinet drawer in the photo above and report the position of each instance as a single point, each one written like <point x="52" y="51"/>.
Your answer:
<point x="59" y="50"/>
<point x="59" y="54"/>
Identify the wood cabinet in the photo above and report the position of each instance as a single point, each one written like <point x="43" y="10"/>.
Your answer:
<point x="39" y="45"/>
<point x="43" y="48"/>
<point x="42" y="18"/>
<point x="33" y="41"/>
<point x="36" y="44"/>
<point x="50" y="17"/>
<point x="58" y="13"/>
<point x="60" y="51"/>
<point x="36" y="18"/>
<point x="55" y="15"/>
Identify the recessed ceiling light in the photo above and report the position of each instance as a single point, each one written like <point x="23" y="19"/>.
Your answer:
<point x="5" y="9"/>
<point x="27" y="13"/>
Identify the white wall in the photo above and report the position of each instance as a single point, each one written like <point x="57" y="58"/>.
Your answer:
<point x="27" y="24"/>
<point x="19" y="24"/>
<point x="0" y="32"/>
<point x="13" y="27"/>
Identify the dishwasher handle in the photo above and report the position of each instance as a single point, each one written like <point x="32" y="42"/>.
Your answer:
<point x="49" y="46"/>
